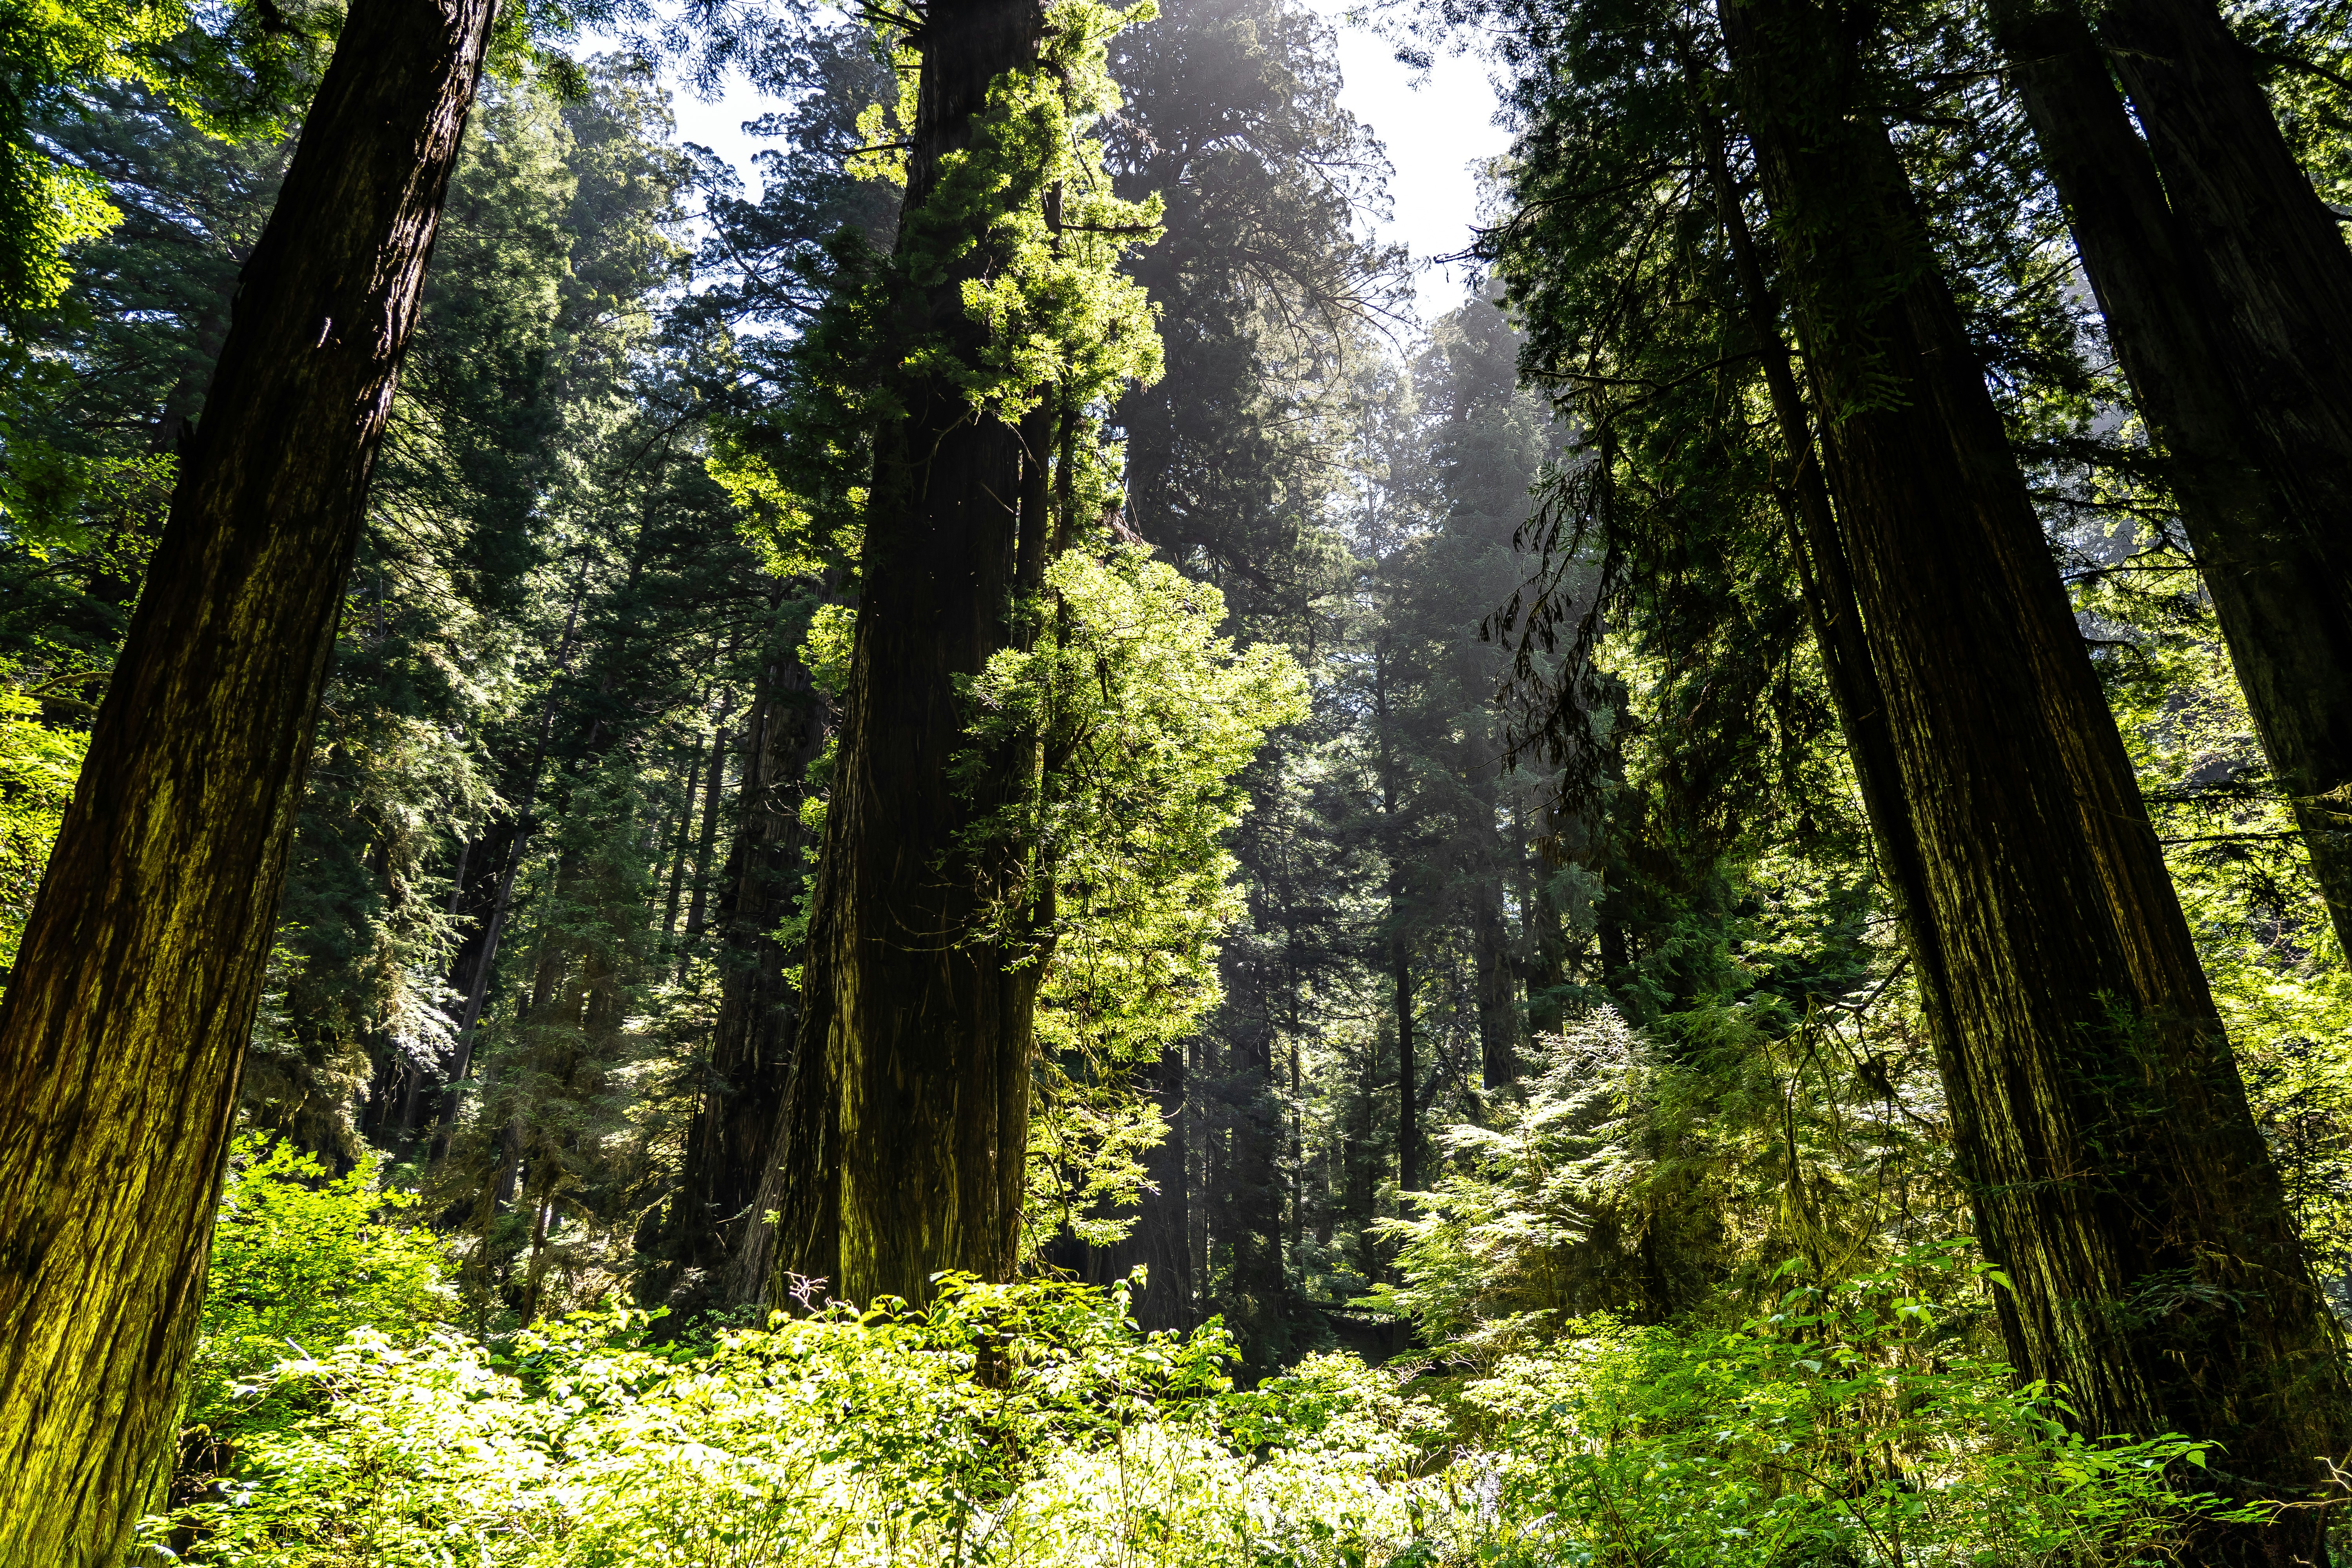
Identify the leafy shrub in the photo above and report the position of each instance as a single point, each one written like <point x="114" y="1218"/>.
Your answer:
<point x="1029" y="1425"/>
<point x="300" y="1259"/>
<point x="1841" y="1429"/>
<point x="1022" y="1424"/>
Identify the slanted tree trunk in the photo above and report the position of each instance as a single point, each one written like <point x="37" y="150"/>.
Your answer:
<point x="2230" y="307"/>
<point x="483" y="945"/>
<point x="906" y="1148"/>
<point x="133" y="997"/>
<point x="714" y="785"/>
<point x="683" y="836"/>
<point x="2098" y="1114"/>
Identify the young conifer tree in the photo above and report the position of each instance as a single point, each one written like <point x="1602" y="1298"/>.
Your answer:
<point x="135" y="987"/>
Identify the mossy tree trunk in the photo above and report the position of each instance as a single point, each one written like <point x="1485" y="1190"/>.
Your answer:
<point x="2098" y="1117"/>
<point x="2229" y="303"/>
<point x="133" y="997"/>
<point x="904" y="1149"/>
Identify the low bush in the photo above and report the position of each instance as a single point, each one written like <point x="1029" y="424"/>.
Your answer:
<point x="1844" y="1430"/>
<point x="1030" y="1425"/>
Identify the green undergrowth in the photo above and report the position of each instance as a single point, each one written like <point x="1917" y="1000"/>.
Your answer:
<point x="1032" y="1423"/>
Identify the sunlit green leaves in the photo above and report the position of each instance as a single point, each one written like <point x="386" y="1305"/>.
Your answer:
<point x="1142" y="715"/>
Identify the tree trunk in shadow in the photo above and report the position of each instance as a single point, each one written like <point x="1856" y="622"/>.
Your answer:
<point x="710" y="1219"/>
<point x="1160" y="1240"/>
<point x="2227" y="308"/>
<point x="2098" y="1114"/>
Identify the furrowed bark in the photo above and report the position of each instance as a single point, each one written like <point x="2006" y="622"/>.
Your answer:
<point x="2239" y="383"/>
<point x="2098" y="1114"/>
<point x="907" y="1118"/>
<point x="131" y="1003"/>
<point x="1826" y="579"/>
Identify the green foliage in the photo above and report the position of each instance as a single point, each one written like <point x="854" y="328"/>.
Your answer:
<point x="39" y="764"/>
<point x="1023" y="219"/>
<point x="1029" y="1425"/>
<point x="1142" y="717"/>
<point x="1843" y="1428"/>
<point x="301" y="1258"/>
<point x="1681" y="1170"/>
<point x="1030" y="190"/>
<point x="56" y="48"/>
<point x="1005" y="1424"/>
<point x="2237" y="857"/>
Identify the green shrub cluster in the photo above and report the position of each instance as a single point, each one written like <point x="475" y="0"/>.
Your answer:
<point x="1031" y="1424"/>
<point x="1846" y="1428"/>
<point x="299" y="1259"/>
<point x="1005" y="1424"/>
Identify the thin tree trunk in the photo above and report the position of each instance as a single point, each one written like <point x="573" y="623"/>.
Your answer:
<point x="1498" y="1011"/>
<point x="131" y="1003"/>
<point x="412" y="1092"/>
<point x="1200" y="1188"/>
<point x="2098" y="1114"/>
<point x="1408" y="1085"/>
<point x="727" y="1146"/>
<point x="477" y="989"/>
<point x="907" y="1149"/>
<point x="1546" y="927"/>
<point x="714" y="785"/>
<point x="1297" y="1142"/>
<point x="2242" y="377"/>
<point x="1499" y="1017"/>
<point x="678" y="857"/>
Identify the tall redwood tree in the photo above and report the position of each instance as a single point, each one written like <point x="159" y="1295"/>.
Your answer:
<point x="903" y="1143"/>
<point x="2227" y="293"/>
<point x="2097" y="1115"/>
<point x="134" y="991"/>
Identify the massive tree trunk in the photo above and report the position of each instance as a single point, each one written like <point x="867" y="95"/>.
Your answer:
<point x="907" y="1118"/>
<point x="2098" y="1114"/>
<point x="727" y="1146"/>
<point x="133" y="997"/>
<point x="2229" y="307"/>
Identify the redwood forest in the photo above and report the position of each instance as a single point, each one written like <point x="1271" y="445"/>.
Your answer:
<point x="976" y="823"/>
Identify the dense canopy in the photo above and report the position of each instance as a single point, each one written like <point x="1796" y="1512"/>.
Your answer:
<point x="991" y="844"/>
